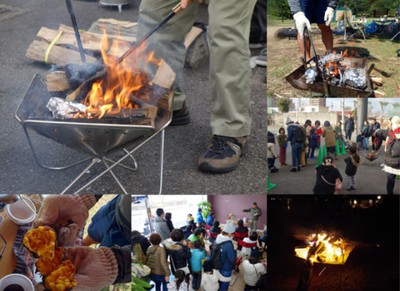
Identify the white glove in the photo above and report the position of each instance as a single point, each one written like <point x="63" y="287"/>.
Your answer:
<point x="328" y="15"/>
<point x="301" y="22"/>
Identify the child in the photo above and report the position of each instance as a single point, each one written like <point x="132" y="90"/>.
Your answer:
<point x="352" y="162"/>
<point x="214" y="231"/>
<point x="250" y="245"/>
<point x="326" y="177"/>
<point x="178" y="283"/>
<point x="196" y="259"/>
<point x="313" y="144"/>
<point x="209" y="280"/>
<point x="271" y="153"/>
<point x="253" y="270"/>
<point x="282" y="146"/>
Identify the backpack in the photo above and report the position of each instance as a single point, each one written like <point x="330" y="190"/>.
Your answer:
<point x="392" y="156"/>
<point x="299" y="135"/>
<point x="216" y="256"/>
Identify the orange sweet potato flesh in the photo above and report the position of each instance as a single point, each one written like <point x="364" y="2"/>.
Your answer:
<point x="62" y="278"/>
<point x="45" y="265"/>
<point x="41" y="241"/>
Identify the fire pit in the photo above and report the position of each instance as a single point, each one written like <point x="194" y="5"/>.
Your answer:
<point x="102" y="126"/>
<point x="334" y="75"/>
<point x="324" y="249"/>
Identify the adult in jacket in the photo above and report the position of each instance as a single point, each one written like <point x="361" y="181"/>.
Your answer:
<point x="160" y="224"/>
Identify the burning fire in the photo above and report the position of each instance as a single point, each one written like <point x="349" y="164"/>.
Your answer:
<point x="325" y="249"/>
<point x="118" y="92"/>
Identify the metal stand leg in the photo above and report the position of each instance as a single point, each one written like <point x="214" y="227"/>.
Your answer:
<point x="94" y="161"/>
<point x="115" y="177"/>
<point x="162" y="161"/>
<point x="50" y="167"/>
<point x="395" y="36"/>
<point x="129" y="153"/>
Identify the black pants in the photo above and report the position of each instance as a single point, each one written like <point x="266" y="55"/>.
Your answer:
<point x="271" y="163"/>
<point x="391" y="181"/>
<point x="258" y="28"/>
<point x="196" y="280"/>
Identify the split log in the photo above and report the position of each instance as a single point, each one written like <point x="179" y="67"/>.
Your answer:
<point x="379" y="93"/>
<point x="57" y="55"/>
<point x="377" y="81"/>
<point x="57" y="81"/>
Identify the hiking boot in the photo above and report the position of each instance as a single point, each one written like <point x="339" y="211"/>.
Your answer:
<point x="262" y="58"/>
<point x="293" y="170"/>
<point x="181" y="116"/>
<point x="223" y="154"/>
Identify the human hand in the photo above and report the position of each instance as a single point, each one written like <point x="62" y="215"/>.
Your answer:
<point x="167" y="279"/>
<point x="66" y="214"/>
<point x="328" y="15"/>
<point x="185" y="3"/>
<point x="94" y="268"/>
<point x="301" y="22"/>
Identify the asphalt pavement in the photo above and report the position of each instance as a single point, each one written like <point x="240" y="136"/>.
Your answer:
<point x="370" y="179"/>
<point x="19" y="172"/>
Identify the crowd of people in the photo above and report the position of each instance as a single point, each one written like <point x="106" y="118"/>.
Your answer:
<point x="203" y="253"/>
<point x="308" y="141"/>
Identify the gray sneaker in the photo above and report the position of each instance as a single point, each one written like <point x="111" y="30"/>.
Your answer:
<point x="262" y="58"/>
<point x="223" y="154"/>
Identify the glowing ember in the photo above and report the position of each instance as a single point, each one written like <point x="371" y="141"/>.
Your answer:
<point x="125" y="83"/>
<point x="324" y="249"/>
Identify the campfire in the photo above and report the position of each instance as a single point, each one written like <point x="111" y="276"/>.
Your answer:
<point x="325" y="249"/>
<point x="339" y="70"/>
<point x="338" y="74"/>
<point x="125" y="92"/>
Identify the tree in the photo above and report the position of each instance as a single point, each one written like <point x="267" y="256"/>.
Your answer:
<point x="383" y="106"/>
<point x="283" y="104"/>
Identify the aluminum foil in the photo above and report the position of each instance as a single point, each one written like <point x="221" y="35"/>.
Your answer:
<point x="62" y="109"/>
<point x="311" y="74"/>
<point x="330" y="58"/>
<point x="354" y="78"/>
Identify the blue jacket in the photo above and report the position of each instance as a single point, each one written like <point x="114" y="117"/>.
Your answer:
<point x="228" y="254"/>
<point x="291" y="133"/>
<point x="313" y="140"/>
<point x="199" y="218"/>
<point x="195" y="260"/>
<point x="210" y="220"/>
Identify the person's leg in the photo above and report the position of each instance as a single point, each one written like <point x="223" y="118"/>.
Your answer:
<point x="230" y="73"/>
<point x="327" y="37"/>
<point x="155" y="279"/>
<point x="168" y="41"/>
<point x="390" y="183"/>
<point x="312" y="153"/>
<point x="294" y="157"/>
<point x="299" y="153"/>
<point x="353" y="182"/>
<point x="270" y="163"/>
<point x="223" y="286"/>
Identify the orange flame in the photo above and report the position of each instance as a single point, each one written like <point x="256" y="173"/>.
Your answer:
<point x="123" y="80"/>
<point x="324" y="248"/>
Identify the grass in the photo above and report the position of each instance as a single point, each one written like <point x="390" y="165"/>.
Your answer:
<point x="284" y="57"/>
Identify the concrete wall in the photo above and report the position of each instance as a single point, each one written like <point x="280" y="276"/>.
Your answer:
<point x="278" y="119"/>
<point x="223" y="205"/>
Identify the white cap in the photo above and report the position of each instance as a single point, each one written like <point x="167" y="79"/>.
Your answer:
<point x="288" y="120"/>
<point x="229" y="227"/>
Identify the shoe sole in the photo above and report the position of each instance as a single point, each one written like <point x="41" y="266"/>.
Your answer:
<point x="181" y="120"/>
<point x="206" y="167"/>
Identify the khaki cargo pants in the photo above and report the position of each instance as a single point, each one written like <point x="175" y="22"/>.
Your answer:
<point x="230" y="73"/>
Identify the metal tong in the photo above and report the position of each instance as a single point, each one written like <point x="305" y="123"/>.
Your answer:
<point x="316" y="57"/>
